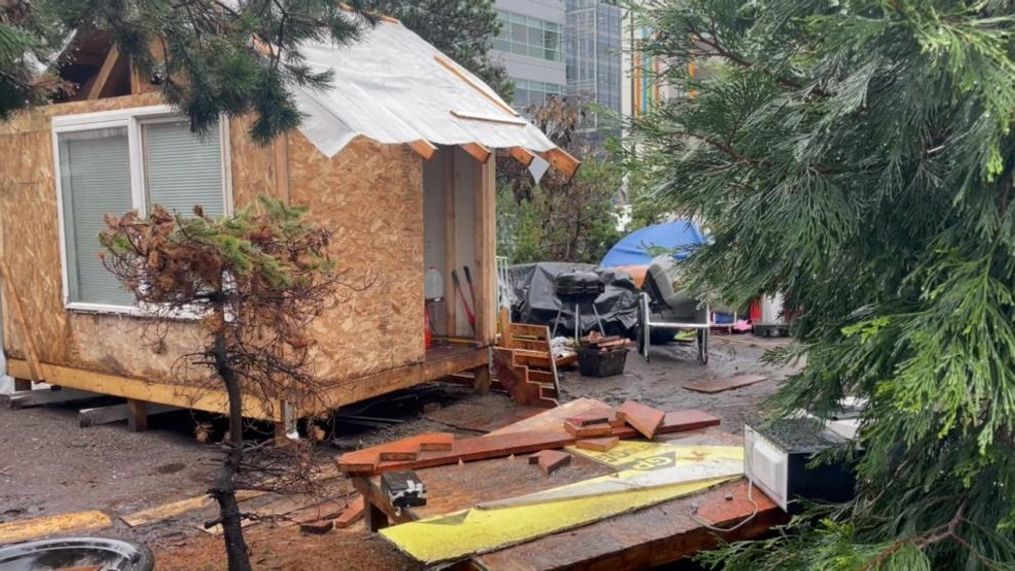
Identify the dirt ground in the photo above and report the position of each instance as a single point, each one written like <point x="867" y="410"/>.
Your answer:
<point x="49" y="466"/>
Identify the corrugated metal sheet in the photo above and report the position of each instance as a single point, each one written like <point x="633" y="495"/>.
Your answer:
<point x="392" y="87"/>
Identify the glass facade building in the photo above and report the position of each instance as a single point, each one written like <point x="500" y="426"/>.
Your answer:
<point x="592" y="44"/>
<point x="530" y="45"/>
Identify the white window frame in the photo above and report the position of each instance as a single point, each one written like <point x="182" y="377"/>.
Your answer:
<point x="132" y="119"/>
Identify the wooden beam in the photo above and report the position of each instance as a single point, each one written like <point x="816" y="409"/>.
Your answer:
<point x="450" y="262"/>
<point x="477" y="151"/>
<point x="485" y="252"/>
<point x="562" y="161"/>
<point x="183" y="396"/>
<point x="104" y="72"/>
<point x="521" y="155"/>
<point x="280" y="168"/>
<point x="483" y="90"/>
<point x="34" y="371"/>
<point x="423" y="148"/>
<point x="137" y="415"/>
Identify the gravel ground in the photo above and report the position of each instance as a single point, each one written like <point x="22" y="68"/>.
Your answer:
<point x="48" y="465"/>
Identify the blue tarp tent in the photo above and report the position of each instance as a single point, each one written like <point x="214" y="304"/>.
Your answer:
<point x="631" y="249"/>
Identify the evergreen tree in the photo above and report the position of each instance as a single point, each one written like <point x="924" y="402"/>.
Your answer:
<point x="858" y="156"/>
<point x="229" y="57"/>
<point x="462" y="29"/>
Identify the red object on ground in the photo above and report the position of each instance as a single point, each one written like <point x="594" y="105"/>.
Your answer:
<point x="427" y="334"/>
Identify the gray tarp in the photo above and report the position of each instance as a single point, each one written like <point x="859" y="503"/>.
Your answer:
<point x="533" y="300"/>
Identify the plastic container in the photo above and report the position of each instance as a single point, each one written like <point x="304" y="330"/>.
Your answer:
<point x="76" y="552"/>
<point x="593" y="363"/>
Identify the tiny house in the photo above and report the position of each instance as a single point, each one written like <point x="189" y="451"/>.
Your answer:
<point x="396" y="159"/>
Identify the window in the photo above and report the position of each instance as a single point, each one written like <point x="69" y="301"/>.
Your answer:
<point x="113" y="162"/>
<point x="528" y="36"/>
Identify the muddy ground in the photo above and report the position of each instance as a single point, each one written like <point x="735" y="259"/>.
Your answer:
<point x="49" y="466"/>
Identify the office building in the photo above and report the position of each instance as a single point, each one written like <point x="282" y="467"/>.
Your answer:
<point x="530" y="45"/>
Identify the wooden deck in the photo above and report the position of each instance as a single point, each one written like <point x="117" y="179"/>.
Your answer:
<point x="439" y="362"/>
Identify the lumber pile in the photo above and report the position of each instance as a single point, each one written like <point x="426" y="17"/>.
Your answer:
<point x="602" y="425"/>
<point x="603" y="344"/>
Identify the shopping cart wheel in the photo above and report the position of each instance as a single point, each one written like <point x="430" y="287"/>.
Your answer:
<point x="703" y="346"/>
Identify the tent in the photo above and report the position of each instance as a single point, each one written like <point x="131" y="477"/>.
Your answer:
<point x="637" y="248"/>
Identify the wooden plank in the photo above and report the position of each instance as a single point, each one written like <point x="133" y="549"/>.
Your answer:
<point x="104" y="72"/>
<point x="644" y="419"/>
<point x="40" y="397"/>
<point x="551" y="460"/>
<point x="126" y="387"/>
<point x="115" y="413"/>
<point x="23" y="530"/>
<point x="423" y="148"/>
<point x="598" y="444"/>
<point x="172" y="509"/>
<point x="727" y="384"/>
<point x="477" y="151"/>
<point x="137" y="415"/>
<point x="461" y="74"/>
<point x="352" y="514"/>
<point x="34" y="371"/>
<point x="588" y="431"/>
<point x="523" y="156"/>
<point x="485" y="252"/>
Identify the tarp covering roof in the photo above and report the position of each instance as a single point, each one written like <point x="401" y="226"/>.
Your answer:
<point x="394" y="87"/>
<point x="634" y="249"/>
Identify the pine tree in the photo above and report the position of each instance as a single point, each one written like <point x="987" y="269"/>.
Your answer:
<point x="222" y="56"/>
<point x="858" y="156"/>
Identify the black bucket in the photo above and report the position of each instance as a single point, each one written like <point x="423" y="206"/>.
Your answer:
<point x="70" y="552"/>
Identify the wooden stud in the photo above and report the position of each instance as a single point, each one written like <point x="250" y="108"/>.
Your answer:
<point x="507" y="337"/>
<point x="481" y="382"/>
<point x="34" y="365"/>
<point x="562" y="161"/>
<point x="523" y="156"/>
<point x="485" y="252"/>
<point x="352" y="514"/>
<point x="137" y="415"/>
<point x="280" y="168"/>
<point x="104" y="72"/>
<point x="460" y="73"/>
<point x="477" y="151"/>
<point x="450" y="262"/>
<point x="423" y="148"/>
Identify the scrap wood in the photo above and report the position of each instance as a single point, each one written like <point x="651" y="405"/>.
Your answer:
<point x="173" y="509"/>
<point x="589" y="430"/>
<point x="405" y="449"/>
<point x="470" y="532"/>
<point x="598" y="444"/>
<point x="589" y="418"/>
<point x="505" y="444"/>
<point x="352" y="514"/>
<point x="21" y="530"/>
<point x="720" y="385"/>
<point x="550" y="460"/>
<point x="642" y="418"/>
<point x="326" y="510"/>
<point x="317" y="527"/>
<point x="698" y="464"/>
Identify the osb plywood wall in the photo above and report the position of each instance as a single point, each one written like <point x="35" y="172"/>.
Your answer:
<point x="30" y="242"/>
<point x="370" y="197"/>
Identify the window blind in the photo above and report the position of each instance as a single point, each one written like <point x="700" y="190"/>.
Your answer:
<point x="94" y="181"/>
<point x="183" y="169"/>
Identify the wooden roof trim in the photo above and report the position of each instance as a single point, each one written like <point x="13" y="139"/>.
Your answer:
<point x="423" y="148"/>
<point x="478" y="152"/>
<point x="453" y="68"/>
<point x="104" y="72"/>
<point x="523" y="156"/>
<point x="561" y="160"/>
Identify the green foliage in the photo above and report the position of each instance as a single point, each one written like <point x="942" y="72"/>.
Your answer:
<point x="858" y="156"/>
<point x="218" y="60"/>
<point x="462" y="29"/>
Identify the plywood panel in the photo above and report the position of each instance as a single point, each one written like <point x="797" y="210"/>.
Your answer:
<point x="371" y="197"/>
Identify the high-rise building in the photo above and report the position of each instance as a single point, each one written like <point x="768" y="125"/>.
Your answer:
<point x="530" y="45"/>
<point x="592" y="45"/>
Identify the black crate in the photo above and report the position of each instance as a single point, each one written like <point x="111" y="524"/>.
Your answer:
<point x="593" y="363"/>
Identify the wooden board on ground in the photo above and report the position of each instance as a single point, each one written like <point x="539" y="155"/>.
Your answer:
<point x="14" y="531"/>
<point x="642" y="418"/>
<point x="172" y="509"/>
<point x="728" y="384"/>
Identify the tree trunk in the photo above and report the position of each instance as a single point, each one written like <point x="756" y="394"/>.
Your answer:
<point x="224" y="491"/>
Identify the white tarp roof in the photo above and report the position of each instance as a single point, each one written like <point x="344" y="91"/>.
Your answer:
<point x="392" y="87"/>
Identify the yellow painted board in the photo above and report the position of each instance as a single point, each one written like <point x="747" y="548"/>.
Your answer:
<point x="644" y="455"/>
<point x="15" y="531"/>
<point x="475" y="531"/>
